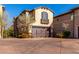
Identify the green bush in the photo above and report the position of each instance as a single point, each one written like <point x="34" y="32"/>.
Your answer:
<point x="66" y="34"/>
<point x="24" y="35"/>
<point x="8" y="32"/>
<point x="59" y="35"/>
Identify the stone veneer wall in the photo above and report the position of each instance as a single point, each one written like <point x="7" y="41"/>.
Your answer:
<point x="63" y="22"/>
<point x="20" y="24"/>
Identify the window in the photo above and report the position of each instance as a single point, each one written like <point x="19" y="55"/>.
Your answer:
<point x="57" y="19"/>
<point x="77" y="13"/>
<point x="44" y="18"/>
<point x="27" y="14"/>
<point x="44" y="15"/>
<point x="72" y="16"/>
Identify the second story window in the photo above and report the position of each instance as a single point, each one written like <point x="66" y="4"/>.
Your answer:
<point x="57" y="19"/>
<point x="27" y="14"/>
<point x="44" y="16"/>
<point x="72" y="16"/>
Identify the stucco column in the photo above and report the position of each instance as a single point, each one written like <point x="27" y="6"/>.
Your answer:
<point x="1" y="12"/>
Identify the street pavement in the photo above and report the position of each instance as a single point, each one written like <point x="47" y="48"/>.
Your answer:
<point x="39" y="46"/>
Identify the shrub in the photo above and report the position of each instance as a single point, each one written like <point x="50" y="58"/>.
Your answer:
<point x="66" y="34"/>
<point x="8" y="32"/>
<point x="24" y="35"/>
<point x="59" y="35"/>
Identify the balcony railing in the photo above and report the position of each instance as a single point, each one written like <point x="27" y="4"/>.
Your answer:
<point x="44" y="21"/>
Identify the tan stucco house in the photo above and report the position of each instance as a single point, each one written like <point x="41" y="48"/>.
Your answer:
<point x="67" y="21"/>
<point x="36" y="22"/>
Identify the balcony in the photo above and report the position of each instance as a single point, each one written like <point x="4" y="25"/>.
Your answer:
<point x="44" y="21"/>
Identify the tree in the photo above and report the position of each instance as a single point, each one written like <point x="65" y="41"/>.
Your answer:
<point x="8" y="32"/>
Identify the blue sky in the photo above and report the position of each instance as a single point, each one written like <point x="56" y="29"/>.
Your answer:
<point x="15" y="9"/>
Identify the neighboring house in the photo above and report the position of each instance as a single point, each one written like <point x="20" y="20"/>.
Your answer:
<point x="36" y="22"/>
<point x="67" y="21"/>
<point x="1" y="21"/>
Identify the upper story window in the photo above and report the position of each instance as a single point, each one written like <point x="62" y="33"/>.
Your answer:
<point x="72" y="16"/>
<point x="77" y="13"/>
<point x="44" y="18"/>
<point x="44" y="15"/>
<point x="27" y="14"/>
<point x="57" y="19"/>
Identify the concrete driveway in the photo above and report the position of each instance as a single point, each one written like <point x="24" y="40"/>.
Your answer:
<point x="38" y="46"/>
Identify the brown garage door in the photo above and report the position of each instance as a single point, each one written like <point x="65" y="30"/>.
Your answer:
<point x="39" y="32"/>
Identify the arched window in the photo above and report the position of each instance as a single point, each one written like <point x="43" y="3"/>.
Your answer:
<point x="44" y="16"/>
